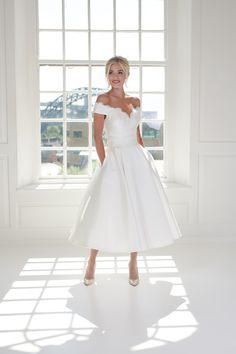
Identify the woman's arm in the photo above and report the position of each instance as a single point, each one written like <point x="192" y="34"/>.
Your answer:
<point x="98" y="129"/>
<point x="139" y="138"/>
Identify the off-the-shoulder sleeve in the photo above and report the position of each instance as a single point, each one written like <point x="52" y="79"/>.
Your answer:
<point x="100" y="108"/>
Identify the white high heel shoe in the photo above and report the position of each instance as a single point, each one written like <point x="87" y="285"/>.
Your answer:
<point x="89" y="281"/>
<point x="134" y="282"/>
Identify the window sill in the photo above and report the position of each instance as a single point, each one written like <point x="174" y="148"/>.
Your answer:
<point x="66" y="194"/>
<point x="72" y="185"/>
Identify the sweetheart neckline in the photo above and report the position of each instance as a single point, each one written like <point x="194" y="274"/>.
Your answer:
<point x="129" y="115"/>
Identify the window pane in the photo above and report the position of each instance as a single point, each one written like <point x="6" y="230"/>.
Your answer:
<point x="51" y="163"/>
<point x="50" y="45"/>
<point x="156" y="154"/>
<point x="51" y="134"/>
<point x="76" y="45"/>
<point x="152" y="133"/>
<point x="99" y="51"/>
<point x="101" y="14"/>
<point x="128" y="45"/>
<point x="133" y="79"/>
<point x="158" y="157"/>
<point x="51" y="78"/>
<point x="99" y="81"/>
<point x="153" y="46"/>
<point x="152" y="14"/>
<point x="76" y="14"/>
<point x="77" y="162"/>
<point x="153" y="106"/>
<point x="76" y="77"/>
<point x="126" y="14"/>
<point x="51" y="105"/>
<point x="77" y="104"/>
<point x="50" y="14"/>
<point x="153" y="79"/>
<point x="77" y="134"/>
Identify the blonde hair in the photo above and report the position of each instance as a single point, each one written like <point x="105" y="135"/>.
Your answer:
<point x="117" y="59"/>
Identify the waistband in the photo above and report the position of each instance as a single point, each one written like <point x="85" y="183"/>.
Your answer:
<point x="119" y="141"/>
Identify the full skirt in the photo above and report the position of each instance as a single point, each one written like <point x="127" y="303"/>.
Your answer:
<point x="125" y="207"/>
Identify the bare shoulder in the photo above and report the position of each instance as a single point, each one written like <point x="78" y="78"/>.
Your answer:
<point x="135" y="101"/>
<point x="103" y="98"/>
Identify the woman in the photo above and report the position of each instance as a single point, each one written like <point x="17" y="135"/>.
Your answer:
<point x="125" y="208"/>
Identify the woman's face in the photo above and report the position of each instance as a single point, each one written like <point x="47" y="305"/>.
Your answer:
<point x="116" y="76"/>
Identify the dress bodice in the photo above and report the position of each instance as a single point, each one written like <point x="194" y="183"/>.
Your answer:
<point x="119" y="126"/>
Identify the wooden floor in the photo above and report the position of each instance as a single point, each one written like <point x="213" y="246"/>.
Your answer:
<point x="185" y="302"/>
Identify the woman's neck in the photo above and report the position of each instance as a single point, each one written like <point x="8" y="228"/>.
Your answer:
<point x="118" y="93"/>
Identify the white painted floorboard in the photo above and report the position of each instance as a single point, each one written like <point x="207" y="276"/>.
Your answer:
<point x="185" y="302"/>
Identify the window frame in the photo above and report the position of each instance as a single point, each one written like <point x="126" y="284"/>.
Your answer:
<point x="90" y="63"/>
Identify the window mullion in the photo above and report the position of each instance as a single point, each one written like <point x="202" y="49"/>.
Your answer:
<point x="114" y="27"/>
<point x="64" y="93"/>
<point x="140" y="62"/>
<point x="90" y="122"/>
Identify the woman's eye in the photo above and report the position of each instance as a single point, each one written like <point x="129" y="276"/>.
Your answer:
<point x="120" y="72"/>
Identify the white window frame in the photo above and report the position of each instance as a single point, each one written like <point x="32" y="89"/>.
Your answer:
<point x="89" y="62"/>
<point x="23" y="103"/>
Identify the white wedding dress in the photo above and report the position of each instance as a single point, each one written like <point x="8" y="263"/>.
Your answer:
<point x="124" y="208"/>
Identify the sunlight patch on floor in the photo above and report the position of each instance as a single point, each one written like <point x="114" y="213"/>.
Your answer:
<point x="34" y="312"/>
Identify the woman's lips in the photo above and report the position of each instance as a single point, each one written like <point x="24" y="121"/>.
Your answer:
<point x="115" y="81"/>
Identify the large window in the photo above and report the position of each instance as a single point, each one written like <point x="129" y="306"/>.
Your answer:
<point x="76" y="38"/>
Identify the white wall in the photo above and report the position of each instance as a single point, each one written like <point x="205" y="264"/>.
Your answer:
<point x="179" y="89"/>
<point x="7" y="125"/>
<point x="26" y="87"/>
<point x="201" y="142"/>
<point x="213" y="116"/>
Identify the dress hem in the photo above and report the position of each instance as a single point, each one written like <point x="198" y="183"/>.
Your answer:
<point x="74" y="243"/>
